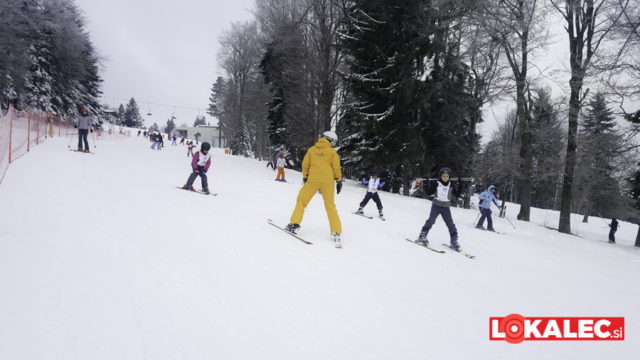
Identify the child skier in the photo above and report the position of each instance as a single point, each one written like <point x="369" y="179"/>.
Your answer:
<point x="372" y="193"/>
<point x="190" y="147"/>
<point x="442" y="189"/>
<point x="486" y="198"/>
<point x="200" y="164"/>
<point x="156" y="142"/>
<point x="280" y="164"/>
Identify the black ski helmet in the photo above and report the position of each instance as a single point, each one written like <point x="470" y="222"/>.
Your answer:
<point x="205" y="146"/>
<point x="444" y="170"/>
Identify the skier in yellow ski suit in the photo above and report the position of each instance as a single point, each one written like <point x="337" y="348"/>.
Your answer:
<point x="320" y="168"/>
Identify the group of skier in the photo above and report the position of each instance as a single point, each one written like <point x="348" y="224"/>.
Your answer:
<point x="321" y="170"/>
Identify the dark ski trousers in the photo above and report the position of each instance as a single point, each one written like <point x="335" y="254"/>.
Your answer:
<point x="375" y="197"/>
<point x="612" y="237"/>
<point x="486" y="214"/>
<point x="82" y="135"/>
<point x="203" y="178"/>
<point x="446" y="216"/>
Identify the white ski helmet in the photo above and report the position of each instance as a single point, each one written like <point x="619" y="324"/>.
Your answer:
<point x="331" y="136"/>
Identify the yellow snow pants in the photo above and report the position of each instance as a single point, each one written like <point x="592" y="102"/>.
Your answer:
<point x="304" y="197"/>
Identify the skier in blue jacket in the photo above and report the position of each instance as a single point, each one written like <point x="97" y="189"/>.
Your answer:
<point x="486" y="198"/>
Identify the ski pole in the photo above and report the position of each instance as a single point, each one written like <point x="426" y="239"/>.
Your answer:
<point x="474" y="221"/>
<point x="510" y="222"/>
<point x="70" y="139"/>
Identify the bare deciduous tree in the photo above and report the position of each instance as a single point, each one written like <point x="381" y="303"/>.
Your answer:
<point x="588" y="24"/>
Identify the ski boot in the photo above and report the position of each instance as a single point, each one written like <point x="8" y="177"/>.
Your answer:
<point x="454" y="245"/>
<point x="185" y="187"/>
<point x="86" y="150"/>
<point x="422" y="239"/>
<point x="79" y="149"/>
<point x="292" y="228"/>
<point x="206" y="191"/>
<point x="336" y="238"/>
<point x="359" y="211"/>
<point x="490" y="229"/>
<point x="480" y="227"/>
<point x="381" y="214"/>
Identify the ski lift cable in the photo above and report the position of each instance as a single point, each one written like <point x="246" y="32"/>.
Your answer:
<point x="149" y="103"/>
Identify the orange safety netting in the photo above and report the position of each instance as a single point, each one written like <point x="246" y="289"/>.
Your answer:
<point x="20" y="130"/>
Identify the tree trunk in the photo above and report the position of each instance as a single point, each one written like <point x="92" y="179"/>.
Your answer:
<point x="570" y="160"/>
<point x="638" y="237"/>
<point x="526" y="154"/>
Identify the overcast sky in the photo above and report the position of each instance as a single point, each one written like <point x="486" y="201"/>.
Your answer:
<point x="161" y="51"/>
<point x="164" y="52"/>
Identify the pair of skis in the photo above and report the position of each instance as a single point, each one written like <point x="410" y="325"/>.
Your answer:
<point x="337" y="242"/>
<point x="370" y="217"/>
<point x="440" y="251"/>
<point x="196" y="191"/>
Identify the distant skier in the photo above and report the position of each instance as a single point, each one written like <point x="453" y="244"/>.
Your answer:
<point x="200" y="165"/>
<point x="280" y="165"/>
<point x="374" y="184"/>
<point x="190" y="147"/>
<point x="175" y="139"/>
<point x="486" y="198"/>
<point x="156" y="141"/>
<point x="612" y="232"/>
<point x="442" y="189"/>
<point x="320" y="169"/>
<point x="84" y="123"/>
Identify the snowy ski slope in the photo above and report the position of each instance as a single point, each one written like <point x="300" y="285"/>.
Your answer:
<point x="101" y="257"/>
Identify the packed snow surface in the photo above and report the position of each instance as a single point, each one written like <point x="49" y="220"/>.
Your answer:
<point x="101" y="257"/>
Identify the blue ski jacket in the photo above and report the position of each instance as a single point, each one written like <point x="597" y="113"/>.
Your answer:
<point x="487" y="197"/>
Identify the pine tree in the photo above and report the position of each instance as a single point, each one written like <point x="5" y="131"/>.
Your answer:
<point x="132" y="117"/>
<point x="548" y="141"/>
<point x="597" y="186"/>
<point x="170" y="125"/>
<point x="386" y="44"/>
<point x="121" y="112"/>
<point x="200" y="120"/>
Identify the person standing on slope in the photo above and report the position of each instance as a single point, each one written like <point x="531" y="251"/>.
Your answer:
<point x="200" y="165"/>
<point x="612" y="232"/>
<point x="280" y="165"/>
<point x="320" y="169"/>
<point x="374" y="184"/>
<point x="443" y="189"/>
<point x="84" y="123"/>
<point x="486" y="198"/>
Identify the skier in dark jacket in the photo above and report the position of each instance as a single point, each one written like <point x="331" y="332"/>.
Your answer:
<point x="373" y="184"/>
<point x="442" y="190"/>
<point x="614" y="228"/>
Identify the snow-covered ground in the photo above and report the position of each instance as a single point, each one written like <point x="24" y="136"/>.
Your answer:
<point x="101" y="257"/>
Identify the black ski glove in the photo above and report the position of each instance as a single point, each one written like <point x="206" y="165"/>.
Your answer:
<point x="338" y="186"/>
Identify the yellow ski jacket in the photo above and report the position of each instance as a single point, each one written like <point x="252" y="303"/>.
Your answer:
<point x="321" y="164"/>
